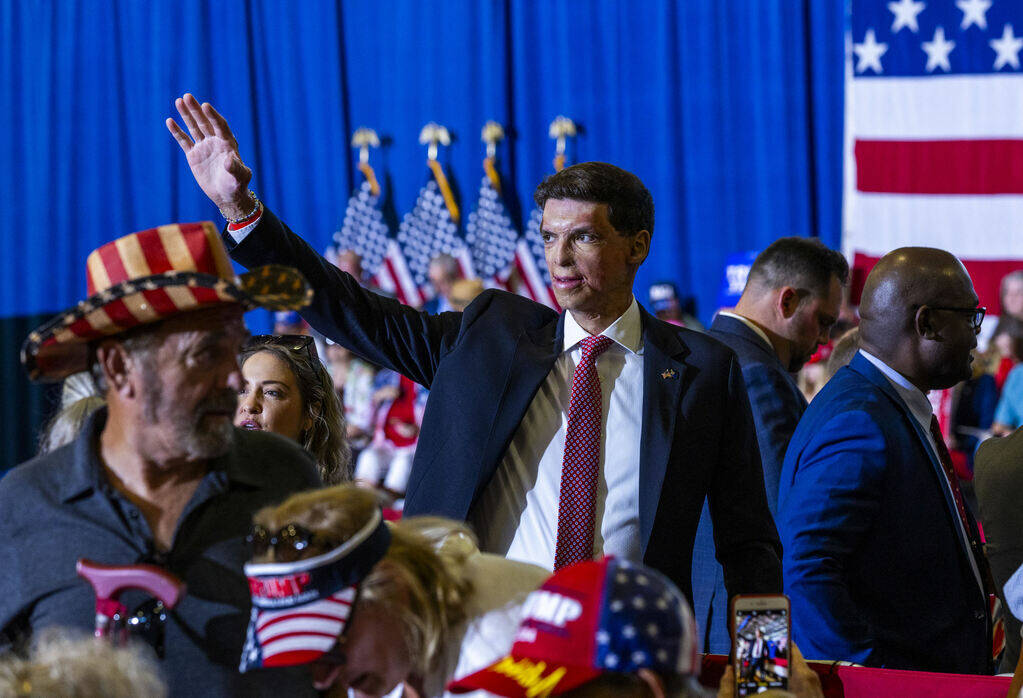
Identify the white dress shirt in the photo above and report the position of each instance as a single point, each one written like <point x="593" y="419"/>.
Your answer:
<point x="920" y="407"/>
<point x="517" y="514"/>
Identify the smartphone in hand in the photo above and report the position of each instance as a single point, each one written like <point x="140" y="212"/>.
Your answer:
<point x="761" y="630"/>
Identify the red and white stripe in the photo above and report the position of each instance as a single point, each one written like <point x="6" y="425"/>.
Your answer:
<point x="936" y="161"/>
<point x="299" y="635"/>
<point x="394" y="277"/>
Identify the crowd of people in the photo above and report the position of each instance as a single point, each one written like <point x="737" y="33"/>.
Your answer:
<point x="569" y="508"/>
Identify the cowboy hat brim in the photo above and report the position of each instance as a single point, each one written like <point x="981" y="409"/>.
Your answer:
<point x="60" y="346"/>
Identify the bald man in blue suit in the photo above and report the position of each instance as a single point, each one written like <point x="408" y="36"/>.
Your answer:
<point x="882" y="565"/>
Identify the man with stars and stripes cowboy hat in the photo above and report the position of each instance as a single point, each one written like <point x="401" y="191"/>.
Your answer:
<point x="159" y="475"/>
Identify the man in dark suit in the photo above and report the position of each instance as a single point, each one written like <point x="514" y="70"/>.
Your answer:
<point x="882" y="559"/>
<point x="599" y="430"/>
<point x="998" y="482"/>
<point x="786" y="311"/>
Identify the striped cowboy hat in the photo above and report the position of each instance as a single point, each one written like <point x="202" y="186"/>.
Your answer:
<point x="147" y="277"/>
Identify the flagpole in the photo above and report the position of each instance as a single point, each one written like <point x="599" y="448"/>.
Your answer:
<point x="492" y="134"/>
<point x="364" y="139"/>
<point x="432" y="135"/>
<point x="561" y="129"/>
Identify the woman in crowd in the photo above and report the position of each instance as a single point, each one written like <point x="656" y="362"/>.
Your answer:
<point x="425" y="603"/>
<point x="64" y="663"/>
<point x="289" y="392"/>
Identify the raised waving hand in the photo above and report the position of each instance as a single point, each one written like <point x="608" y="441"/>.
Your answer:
<point x="212" y="153"/>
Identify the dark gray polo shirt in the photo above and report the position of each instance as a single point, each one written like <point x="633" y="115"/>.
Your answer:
<point x="59" y="507"/>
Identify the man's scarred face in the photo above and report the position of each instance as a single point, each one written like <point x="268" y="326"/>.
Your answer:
<point x="189" y="393"/>
<point x="592" y="265"/>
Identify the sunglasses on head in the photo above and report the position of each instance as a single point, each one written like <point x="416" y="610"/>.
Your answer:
<point x="295" y="343"/>
<point x="288" y="543"/>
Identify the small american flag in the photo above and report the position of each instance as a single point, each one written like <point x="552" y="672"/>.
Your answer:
<point x="365" y="231"/>
<point x="431" y="229"/>
<point x="491" y="236"/>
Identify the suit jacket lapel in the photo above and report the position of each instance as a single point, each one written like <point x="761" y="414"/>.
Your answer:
<point x="664" y="375"/>
<point x="532" y="361"/>
<point x="871" y="372"/>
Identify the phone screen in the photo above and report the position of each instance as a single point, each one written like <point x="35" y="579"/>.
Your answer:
<point x="761" y="650"/>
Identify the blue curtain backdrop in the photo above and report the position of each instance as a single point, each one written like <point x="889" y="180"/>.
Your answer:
<point x="730" y="112"/>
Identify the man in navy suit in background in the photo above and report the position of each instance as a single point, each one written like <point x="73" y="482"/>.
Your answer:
<point x="556" y="436"/>
<point x="787" y="309"/>
<point x="882" y="560"/>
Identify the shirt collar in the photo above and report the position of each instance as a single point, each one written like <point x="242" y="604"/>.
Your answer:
<point x="86" y="472"/>
<point x="914" y="398"/>
<point x="750" y="324"/>
<point x="626" y="331"/>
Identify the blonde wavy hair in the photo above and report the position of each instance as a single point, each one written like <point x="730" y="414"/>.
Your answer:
<point x="73" y="665"/>
<point x="420" y="580"/>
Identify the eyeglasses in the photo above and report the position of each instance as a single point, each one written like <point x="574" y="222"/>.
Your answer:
<point x="977" y="313"/>
<point x="288" y="543"/>
<point x="295" y="343"/>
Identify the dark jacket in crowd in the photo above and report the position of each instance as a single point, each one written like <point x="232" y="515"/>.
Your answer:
<point x="60" y="507"/>
<point x="484" y="366"/>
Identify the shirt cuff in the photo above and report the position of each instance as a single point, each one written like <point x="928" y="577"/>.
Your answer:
<point x="240" y="230"/>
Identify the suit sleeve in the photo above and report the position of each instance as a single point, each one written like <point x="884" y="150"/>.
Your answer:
<point x="378" y="329"/>
<point x="745" y="538"/>
<point x="776" y="412"/>
<point x="833" y="495"/>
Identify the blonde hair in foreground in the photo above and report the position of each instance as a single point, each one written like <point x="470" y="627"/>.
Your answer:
<point x="420" y="580"/>
<point x="72" y="665"/>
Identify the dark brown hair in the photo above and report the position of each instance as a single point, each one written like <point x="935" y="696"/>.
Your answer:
<point x="630" y="207"/>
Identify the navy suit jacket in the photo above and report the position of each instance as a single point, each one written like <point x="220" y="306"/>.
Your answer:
<point x="874" y="564"/>
<point x="777" y="406"/>
<point x="483" y="368"/>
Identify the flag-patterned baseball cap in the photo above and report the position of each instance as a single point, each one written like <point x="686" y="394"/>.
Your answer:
<point x="300" y="609"/>
<point x="590" y="618"/>
<point x="150" y="276"/>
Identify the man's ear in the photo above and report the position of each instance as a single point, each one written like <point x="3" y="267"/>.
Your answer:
<point x="640" y="247"/>
<point x="115" y="363"/>
<point x="923" y="321"/>
<point x="788" y="301"/>
<point x="653" y="681"/>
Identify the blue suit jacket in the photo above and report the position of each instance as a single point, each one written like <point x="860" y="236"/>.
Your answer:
<point x="873" y="561"/>
<point x="777" y="406"/>
<point x="483" y="368"/>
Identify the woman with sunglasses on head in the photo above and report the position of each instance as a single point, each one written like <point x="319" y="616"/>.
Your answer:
<point x="289" y="392"/>
<point x="368" y="604"/>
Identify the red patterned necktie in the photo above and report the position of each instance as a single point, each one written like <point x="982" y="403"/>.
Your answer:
<point x="582" y="458"/>
<point x="998" y="633"/>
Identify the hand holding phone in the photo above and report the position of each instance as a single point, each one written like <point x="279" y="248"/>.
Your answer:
<point x="761" y="643"/>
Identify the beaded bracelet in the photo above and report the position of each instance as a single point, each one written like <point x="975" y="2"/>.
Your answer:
<point x="250" y="214"/>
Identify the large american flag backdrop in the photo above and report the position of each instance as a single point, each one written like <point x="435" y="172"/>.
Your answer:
<point x="934" y="130"/>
